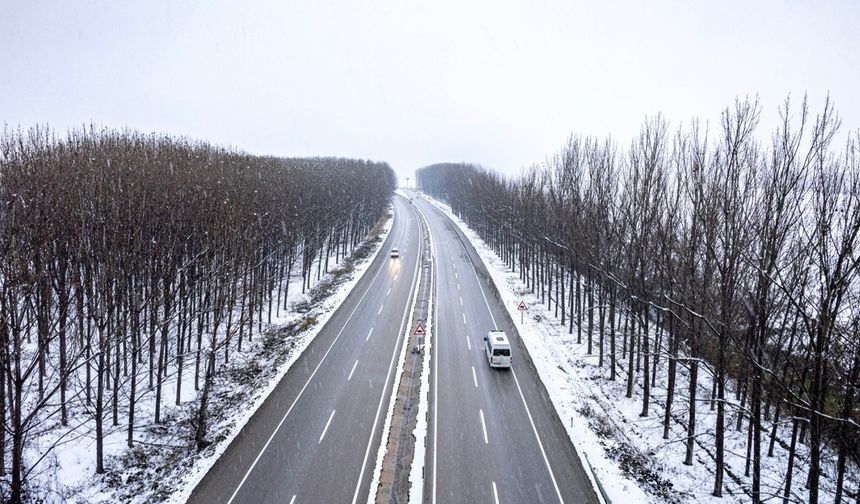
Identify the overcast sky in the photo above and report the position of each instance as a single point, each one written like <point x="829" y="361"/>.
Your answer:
<point x="416" y="82"/>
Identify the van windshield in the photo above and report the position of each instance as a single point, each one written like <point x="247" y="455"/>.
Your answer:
<point x="502" y="352"/>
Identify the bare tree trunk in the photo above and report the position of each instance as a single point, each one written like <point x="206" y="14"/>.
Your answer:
<point x="612" y="334"/>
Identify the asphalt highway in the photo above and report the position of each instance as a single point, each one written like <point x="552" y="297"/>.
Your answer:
<point x="315" y="439"/>
<point x="494" y="435"/>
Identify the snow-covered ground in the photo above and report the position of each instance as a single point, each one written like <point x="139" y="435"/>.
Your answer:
<point x="164" y="466"/>
<point x="627" y="452"/>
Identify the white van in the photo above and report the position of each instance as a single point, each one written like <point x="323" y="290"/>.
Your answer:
<point x="498" y="349"/>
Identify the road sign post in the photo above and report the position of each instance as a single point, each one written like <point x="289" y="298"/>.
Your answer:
<point x="522" y="309"/>
<point x="419" y="334"/>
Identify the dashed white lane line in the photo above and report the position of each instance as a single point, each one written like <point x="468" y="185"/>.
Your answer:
<point x="474" y="377"/>
<point x="395" y="276"/>
<point x="458" y="286"/>
<point x="356" y="364"/>
<point x="389" y="292"/>
<point x="461" y="300"/>
<point x="464" y="318"/>
<point x="304" y="387"/>
<point x="368" y="334"/>
<point x="293" y="499"/>
<point x="525" y="404"/>
<point x="329" y="423"/>
<point x="380" y="309"/>
<point x="483" y="426"/>
<point x="456" y="276"/>
<point x="468" y="343"/>
<point x="495" y="493"/>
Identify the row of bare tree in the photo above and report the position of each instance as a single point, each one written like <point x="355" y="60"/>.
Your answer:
<point x="128" y="259"/>
<point x="703" y="250"/>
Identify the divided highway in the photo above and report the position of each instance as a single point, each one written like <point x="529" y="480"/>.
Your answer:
<point x="315" y="439"/>
<point x="494" y="435"/>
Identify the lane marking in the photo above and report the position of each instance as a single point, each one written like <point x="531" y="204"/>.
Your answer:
<point x="456" y="275"/>
<point x="389" y="292"/>
<point x="352" y="371"/>
<point x="474" y="377"/>
<point x="468" y="343"/>
<point x="461" y="300"/>
<point x="301" y="392"/>
<point x="326" y="426"/>
<point x="522" y="397"/>
<point x="382" y="395"/>
<point x="458" y="286"/>
<point x="293" y="499"/>
<point x="368" y="334"/>
<point x="495" y="493"/>
<point x="483" y="426"/>
<point x="395" y="276"/>
<point x="464" y="318"/>
<point x="435" y="348"/>
<point x="380" y="309"/>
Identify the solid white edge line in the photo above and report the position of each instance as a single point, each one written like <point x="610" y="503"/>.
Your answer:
<point x="528" y="412"/>
<point x="311" y="377"/>
<point x="404" y="331"/>
<point x="326" y="426"/>
<point x="474" y="377"/>
<point x="435" y="400"/>
<point x="495" y="493"/>
<point x="368" y="334"/>
<point x="483" y="426"/>
<point x="352" y="371"/>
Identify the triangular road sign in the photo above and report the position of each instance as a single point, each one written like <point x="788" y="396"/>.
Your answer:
<point x="419" y="330"/>
<point x="522" y="306"/>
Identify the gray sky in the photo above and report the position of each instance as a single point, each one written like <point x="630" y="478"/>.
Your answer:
<point x="417" y="82"/>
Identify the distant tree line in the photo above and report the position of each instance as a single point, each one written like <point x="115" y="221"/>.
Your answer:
<point x="704" y="249"/>
<point x="127" y="258"/>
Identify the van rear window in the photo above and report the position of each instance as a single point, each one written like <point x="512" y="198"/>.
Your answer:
<point x="502" y="352"/>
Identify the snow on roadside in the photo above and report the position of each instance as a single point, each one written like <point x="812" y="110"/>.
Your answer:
<point x="627" y="452"/>
<point x="561" y="364"/>
<point x="325" y="311"/>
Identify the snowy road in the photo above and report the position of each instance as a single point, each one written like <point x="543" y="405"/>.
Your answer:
<point x="316" y="437"/>
<point x="493" y="436"/>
